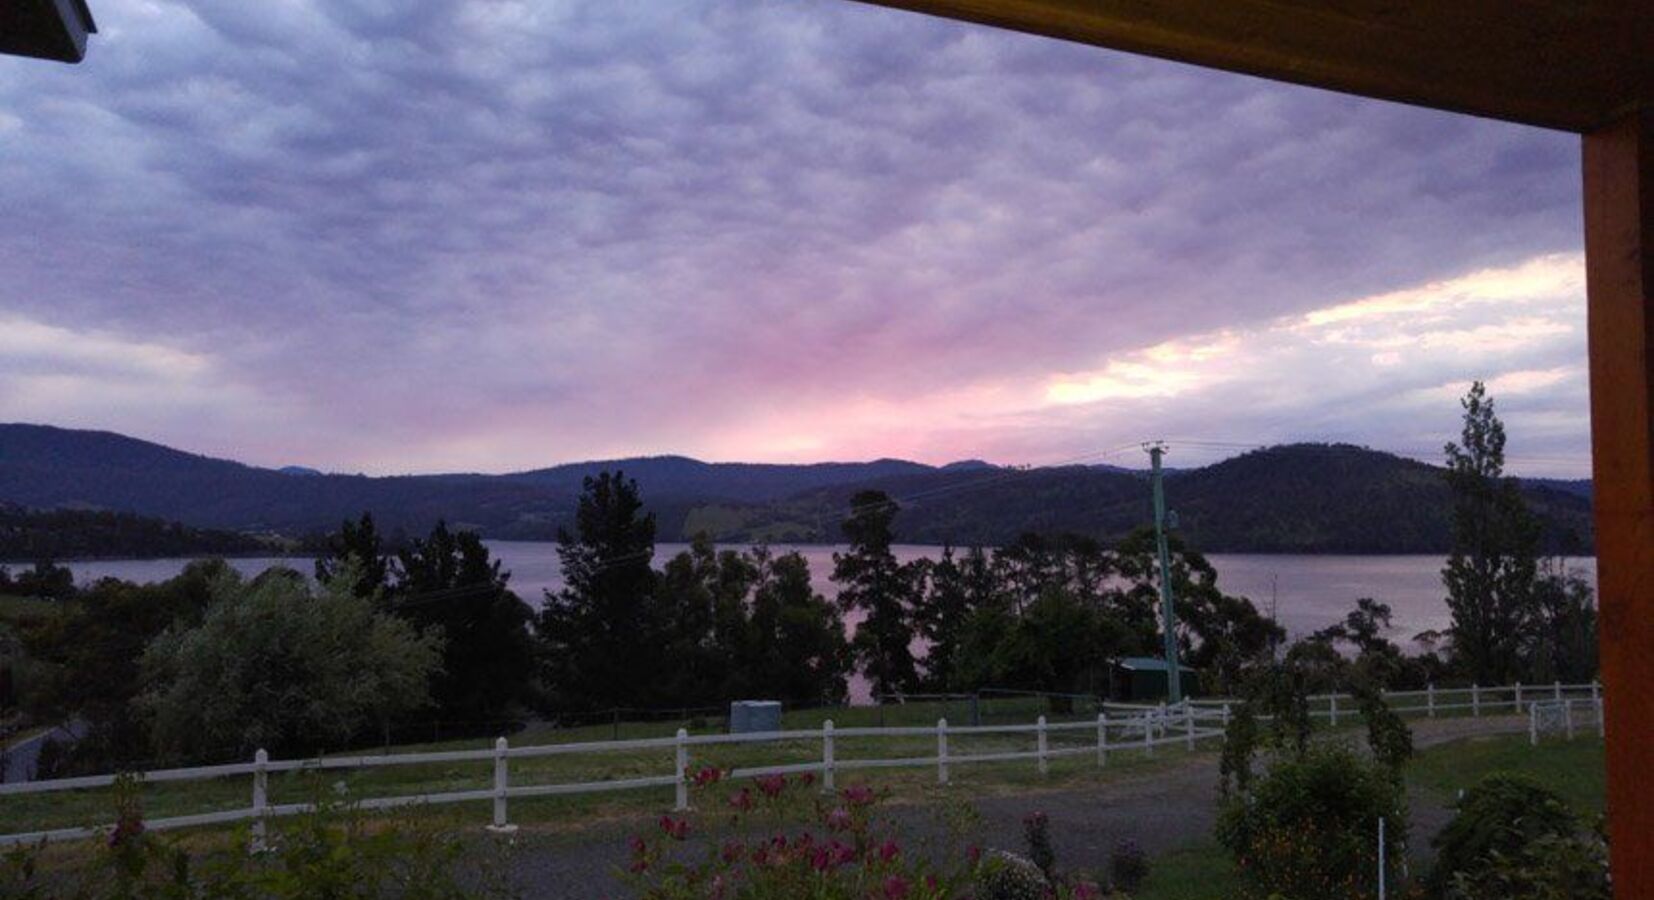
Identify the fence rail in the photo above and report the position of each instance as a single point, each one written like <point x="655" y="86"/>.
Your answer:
<point x="1117" y="728"/>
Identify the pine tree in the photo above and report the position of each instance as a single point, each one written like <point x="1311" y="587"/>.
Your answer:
<point x="874" y="584"/>
<point x="357" y="541"/>
<point x="1490" y="575"/>
<point x="601" y="634"/>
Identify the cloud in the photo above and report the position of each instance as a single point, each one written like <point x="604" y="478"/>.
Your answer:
<point x="497" y="235"/>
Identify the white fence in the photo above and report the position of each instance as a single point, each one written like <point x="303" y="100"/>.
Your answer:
<point x="1119" y="727"/>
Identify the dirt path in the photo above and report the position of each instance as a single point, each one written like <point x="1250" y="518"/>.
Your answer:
<point x="1161" y="810"/>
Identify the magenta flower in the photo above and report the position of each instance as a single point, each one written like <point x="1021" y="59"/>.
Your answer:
<point x="896" y="887"/>
<point x="742" y="800"/>
<point x="839" y="819"/>
<point x="772" y="785"/>
<point x="889" y="851"/>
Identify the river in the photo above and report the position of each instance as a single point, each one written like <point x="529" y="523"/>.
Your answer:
<point x="1308" y="592"/>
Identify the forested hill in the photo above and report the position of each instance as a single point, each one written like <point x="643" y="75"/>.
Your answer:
<point x="30" y="536"/>
<point x="1298" y="498"/>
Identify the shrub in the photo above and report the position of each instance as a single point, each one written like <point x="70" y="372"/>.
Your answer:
<point x="1549" y="867"/>
<point x="1501" y="815"/>
<point x="1309" y="827"/>
<point x="1128" y="865"/>
<point x="1036" y="831"/>
<point x="1006" y="876"/>
<point x="329" y="852"/>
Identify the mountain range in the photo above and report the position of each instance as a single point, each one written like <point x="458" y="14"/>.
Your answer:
<point x="1299" y="498"/>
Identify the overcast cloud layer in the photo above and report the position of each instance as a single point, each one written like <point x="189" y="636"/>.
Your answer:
<point x="497" y="235"/>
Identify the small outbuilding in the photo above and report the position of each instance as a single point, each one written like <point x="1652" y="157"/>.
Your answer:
<point x="1141" y="679"/>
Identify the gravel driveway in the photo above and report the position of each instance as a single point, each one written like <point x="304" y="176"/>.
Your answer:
<point x="1162" y="810"/>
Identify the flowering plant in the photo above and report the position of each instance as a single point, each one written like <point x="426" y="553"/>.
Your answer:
<point x="782" y="839"/>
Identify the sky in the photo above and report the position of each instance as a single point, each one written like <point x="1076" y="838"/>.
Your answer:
<point x="489" y="236"/>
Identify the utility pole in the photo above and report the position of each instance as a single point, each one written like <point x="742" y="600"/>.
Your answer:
<point x="1174" y="676"/>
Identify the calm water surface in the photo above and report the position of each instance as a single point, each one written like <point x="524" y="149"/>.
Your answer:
<point x="1309" y="592"/>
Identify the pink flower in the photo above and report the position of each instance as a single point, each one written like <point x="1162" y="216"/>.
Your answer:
<point x="732" y="851"/>
<point x="772" y="785"/>
<point x="975" y="854"/>
<point x="742" y="801"/>
<point x="1087" y="890"/>
<point x="838" y="819"/>
<point x="889" y="851"/>
<point x="676" y="829"/>
<point x="858" y="795"/>
<point x="807" y="778"/>
<point x="895" y="887"/>
<point x="708" y="775"/>
<point x="638" y="846"/>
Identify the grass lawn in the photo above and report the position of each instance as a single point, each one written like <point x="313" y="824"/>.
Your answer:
<point x="1574" y="769"/>
<point x="1198" y="872"/>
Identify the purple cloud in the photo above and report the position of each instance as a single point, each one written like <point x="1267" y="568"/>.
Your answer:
<point x="497" y="235"/>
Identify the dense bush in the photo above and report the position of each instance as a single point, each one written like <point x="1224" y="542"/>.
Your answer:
<point x="275" y="665"/>
<point x="1128" y="865"/>
<point x="330" y="852"/>
<point x="1501" y="816"/>
<point x="1549" y="867"/>
<point x="1308" y="827"/>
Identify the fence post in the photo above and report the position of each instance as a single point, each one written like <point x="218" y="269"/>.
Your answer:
<point x="1556" y="690"/>
<point x="827" y="762"/>
<point x="261" y="797"/>
<point x="1102" y="739"/>
<point x="942" y="751"/>
<point x="1381" y="886"/>
<point x="1430" y="699"/>
<point x="1044" y="764"/>
<point x="976" y="709"/>
<point x="1148" y="731"/>
<point x="1189" y="726"/>
<point x="1597" y="702"/>
<point x="1518" y="698"/>
<point x="1334" y="698"/>
<point x="1475" y="701"/>
<point x="1533" y="727"/>
<point x="502" y="783"/>
<point x="683" y="770"/>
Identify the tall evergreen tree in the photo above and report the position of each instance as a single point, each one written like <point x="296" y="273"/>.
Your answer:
<point x="872" y="583"/>
<point x="359" y="541"/>
<point x="601" y="633"/>
<point x="450" y="583"/>
<point x="1491" y="573"/>
<point x="942" y="616"/>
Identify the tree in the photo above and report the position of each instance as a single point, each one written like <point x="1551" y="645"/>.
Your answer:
<point x="449" y="583"/>
<point x="84" y="661"/>
<point x="874" y="584"/>
<point x="1566" y="644"/>
<point x="274" y="665"/>
<point x="1219" y="634"/>
<point x="601" y="633"/>
<point x="798" y="635"/>
<point x="943" y="611"/>
<point x="358" y="542"/>
<point x="1491" y="572"/>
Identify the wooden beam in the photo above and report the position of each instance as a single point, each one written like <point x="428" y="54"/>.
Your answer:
<point x="1569" y="64"/>
<point x="1619" y="275"/>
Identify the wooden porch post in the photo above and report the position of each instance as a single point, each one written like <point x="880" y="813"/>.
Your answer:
<point x="1619" y="269"/>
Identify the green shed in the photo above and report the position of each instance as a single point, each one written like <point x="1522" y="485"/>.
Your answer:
<point x="1138" y="679"/>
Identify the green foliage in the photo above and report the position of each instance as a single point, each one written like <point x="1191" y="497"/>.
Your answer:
<point x="1240" y="743"/>
<point x="884" y="591"/>
<point x="1490" y="575"/>
<point x="274" y="665"/>
<point x="330" y="852"/>
<point x="1308" y="827"/>
<point x="600" y="633"/>
<point x="449" y="585"/>
<point x="29" y="534"/>
<point x="1389" y="738"/>
<point x="1501" y="815"/>
<point x="358" y="547"/>
<point x="1549" y="867"/>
